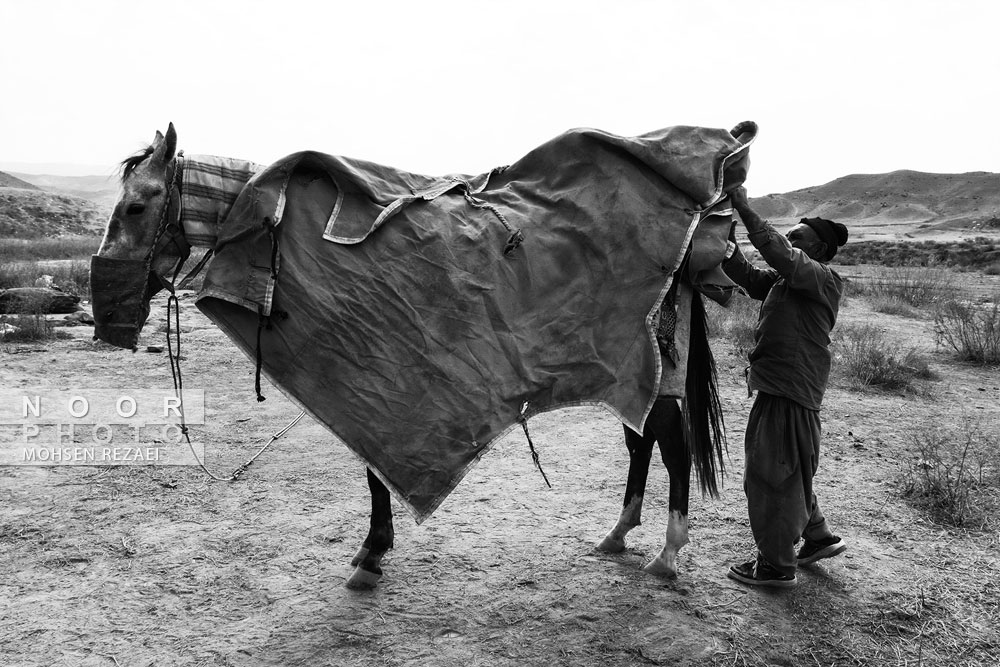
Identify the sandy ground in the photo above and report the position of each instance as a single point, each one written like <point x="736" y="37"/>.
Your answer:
<point x="134" y="566"/>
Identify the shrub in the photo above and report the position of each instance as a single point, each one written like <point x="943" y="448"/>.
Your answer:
<point x="973" y="253"/>
<point x="30" y="328"/>
<point x="972" y="330"/>
<point x="735" y="323"/>
<point x="916" y="286"/>
<point x="30" y="325"/>
<point x="954" y="474"/>
<point x="65" y="258"/>
<point x="72" y="276"/>
<point x="868" y="359"/>
<point x="61" y="247"/>
<point x="892" y="305"/>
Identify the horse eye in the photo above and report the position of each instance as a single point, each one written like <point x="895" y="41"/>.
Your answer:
<point x="135" y="209"/>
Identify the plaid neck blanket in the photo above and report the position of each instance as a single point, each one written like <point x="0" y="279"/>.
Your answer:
<point x="397" y="311"/>
<point x="209" y="186"/>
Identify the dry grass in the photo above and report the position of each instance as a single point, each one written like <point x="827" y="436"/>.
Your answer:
<point x="914" y="286"/>
<point x="868" y="358"/>
<point x="30" y="328"/>
<point x="931" y="626"/>
<point x="61" y="247"/>
<point x="954" y="474"/>
<point x="971" y="330"/>
<point x="893" y="305"/>
<point x="30" y="325"/>
<point x="971" y="253"/>
<point x="72" y="277"/>
<point x="66" y="259"/>
<point x="735" y="323"/>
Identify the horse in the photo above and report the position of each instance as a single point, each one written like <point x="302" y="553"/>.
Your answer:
<point x="153" y="226"/>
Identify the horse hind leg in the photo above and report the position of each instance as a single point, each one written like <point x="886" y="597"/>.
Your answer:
<point x="665" y="563"/>
<point x="670" y="436"/>
<point x="368" y="559"/>
<point x="640" y="450"/>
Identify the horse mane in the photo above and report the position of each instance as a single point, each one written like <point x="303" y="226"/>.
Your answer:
<point x="129" y="164"/>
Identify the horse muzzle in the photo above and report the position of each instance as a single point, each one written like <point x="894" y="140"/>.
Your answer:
<point x="120" y="293"/>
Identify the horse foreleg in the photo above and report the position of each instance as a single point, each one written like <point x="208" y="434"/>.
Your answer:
<point x="640" y="450"/>
<point x="379" y="540"/>
<point x="670" y="436"/>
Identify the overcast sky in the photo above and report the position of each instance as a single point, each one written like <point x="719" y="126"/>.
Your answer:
<point x="837" y="87"/>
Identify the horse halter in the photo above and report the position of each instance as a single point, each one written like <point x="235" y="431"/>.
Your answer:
<point x="122" y="288"/>
<point x="162" y="239"/>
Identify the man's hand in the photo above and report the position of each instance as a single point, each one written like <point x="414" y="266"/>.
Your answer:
<point x="751" y="220"/>
<point x="739" y="199"/>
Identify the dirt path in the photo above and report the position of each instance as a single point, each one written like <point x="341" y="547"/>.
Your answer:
<point x="163" y="566"/>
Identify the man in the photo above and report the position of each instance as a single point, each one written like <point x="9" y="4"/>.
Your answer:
<point x="789" y="368"/>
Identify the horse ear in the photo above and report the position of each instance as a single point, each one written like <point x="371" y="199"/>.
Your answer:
<point x="164" y="147"/>
<point x="171" y="141"/>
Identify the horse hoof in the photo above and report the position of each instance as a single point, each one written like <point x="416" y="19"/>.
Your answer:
<point x="611" y="545"/>
<point x="360" y="556"/>
<point x="362" y="580"/>
<point x="658" y="568"/>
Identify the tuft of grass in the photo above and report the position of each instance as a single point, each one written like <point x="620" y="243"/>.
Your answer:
<point x="891" y="305"/>
<point x="65" y="258"/>
<point x="868" y="359"/>
<point x="971" y="253"/>
<point x="914" y="286"/>
<point x="72" y="277"/>
<point x="954" y="474"/>
<point x="971" y="330"/>
<point x="60" y="247"/>
<point x="30" y="324"/>
<point x="735" y="323"/>
<point x="30" y="328"/>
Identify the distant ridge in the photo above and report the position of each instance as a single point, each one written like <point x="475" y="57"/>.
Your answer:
<point x="9" y="181"/>
<point x="27" y="211"/>
<point x="900" y="203"/>
<point x="894" y="206"/>
<point x="103" y="190"/>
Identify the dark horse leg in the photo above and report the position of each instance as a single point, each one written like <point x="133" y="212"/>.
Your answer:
<point x="665" y="426"/>
<point x="369" y="557"/>
<point x="640" y="451"/>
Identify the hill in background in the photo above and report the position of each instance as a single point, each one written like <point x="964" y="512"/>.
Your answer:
<point x="895" y="206"/>
<point x="29" y="211"/>
<point x="102" y="190"/>
<point x="900" y="204"/>
<point x="11" y="181"/>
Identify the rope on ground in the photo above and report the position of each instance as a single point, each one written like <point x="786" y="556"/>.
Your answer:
<point x="173" y="305"/>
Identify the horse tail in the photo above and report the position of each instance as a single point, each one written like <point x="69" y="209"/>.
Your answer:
<point x="705" y="426"/>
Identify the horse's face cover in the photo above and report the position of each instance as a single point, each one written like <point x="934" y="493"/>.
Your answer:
<point x="120" y="294"/>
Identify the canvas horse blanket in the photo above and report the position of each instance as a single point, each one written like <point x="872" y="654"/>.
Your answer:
<point x="421" y="318"/>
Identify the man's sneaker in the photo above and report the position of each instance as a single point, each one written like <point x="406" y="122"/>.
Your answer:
<point x="760" y="573"/>
<point x="810" y="552"/>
